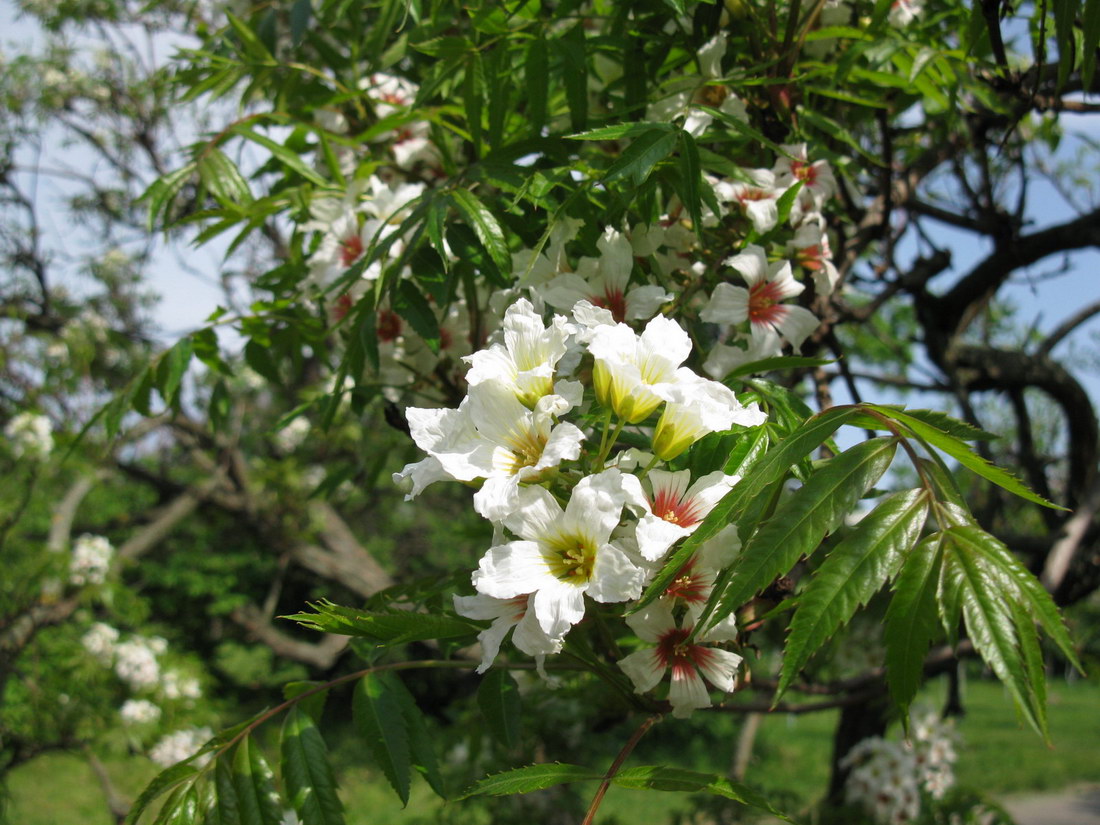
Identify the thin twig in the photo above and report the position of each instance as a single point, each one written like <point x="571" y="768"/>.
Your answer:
<point x="628" y="748"/>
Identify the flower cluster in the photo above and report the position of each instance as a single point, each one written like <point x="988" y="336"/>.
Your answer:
<point x="579" y="521"/>
<point x="91" y="559"/>
<point x="136" y="662"/>
<point x="139" y="712"/>
<point x="29" y="435"/>
<point x="887" y="778"/>
<point x="180" y="745"/>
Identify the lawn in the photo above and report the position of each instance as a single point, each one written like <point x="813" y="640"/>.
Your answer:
<point x="997" y="755"/>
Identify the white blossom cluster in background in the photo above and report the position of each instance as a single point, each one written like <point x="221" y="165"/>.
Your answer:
<point x="135" y="662"/>
<point x="580" y="520"/>
<point x="179" y="745"/>
<point x="29" y="435"/>
<point x="91" y="560"/>
<point x="139" y="712"/>
<point x="888" y="779"/>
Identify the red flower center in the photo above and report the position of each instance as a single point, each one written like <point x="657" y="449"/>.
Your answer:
<point x="614" y="301"/>
<point x="688" y="585"/>
<point x="389" y="325"/>
<point x="684" y="512"/>
<point x="676" y="652"/>
<point x="350" y="249"/>
<point x="764" y="302"/>
<point x="804" y="171"/>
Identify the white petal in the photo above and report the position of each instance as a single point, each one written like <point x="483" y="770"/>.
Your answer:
<point x="652" y="621"/>
<point x="558" y="606"/>
<point x="686" y="693"/>
<point x="511" y="570"/>
<point x="615" y="578"/>
<point x="646" y="301"/>
<point x="796" y="325"/>
<point x="531" y="639"/>
<point x="644" y="669"/>
<point x="720" y="668"/>
<point x="538" y="516"/>
<point x="655" y="536"/>
<point x="728" y="304"/>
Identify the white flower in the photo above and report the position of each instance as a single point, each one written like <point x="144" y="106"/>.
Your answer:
<point x="685" y="93"/>
<point x="136" y="664"/>
<point x="138" y="712"/>
<point x="91" y="559"/>
<point x="632" y="374"/>
<point x="812" y="252"/>
<point x="562" y="555"/>
<point x="505" y="614"/>
<point x="100" y="641"/>
<point x="760" y="304"/>
<point x="603" y="282"/>
<point x="690" y="662"/>
<point x="527" y="359"/>
<point x="697" y="407"/>
<point x="725" y="358"/>
<point x="818" y="183"/>
<point x="174" y="685"/>
<point x="29" y="435"/>
<point x="904" y="12"/>
<point x="179" y="745"/>
<point x="673" y="509"/>
<point x="755" y="198"/>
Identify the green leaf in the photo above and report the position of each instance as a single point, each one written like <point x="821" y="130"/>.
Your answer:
<point x="765" y="472"/>
<point x="639" y="158"/>
<point x="1019" y="585"/>
<point x="910" y="623"/>
<point x="1090" y="41"/>
<point x="946" y="423"/>
<point x="222" y="805"/>
<point x="181" y="808"/>
<point x="691" y="174"/>
<point x="990" y="623"/>
<point x="170" y="369"/>
<point x="530" y="778"/>
<point x="571" y="50"/>
<point x="622" y="130"/>
<point x="385" y="628"/>
<point x="164" y="781"/>
<point x="485" y="226"/>
<point x="222" y="179"/>
<point x="536" y="76"/>
<point x="160" y="193"/>
<point x="255" y="786"/>
<point x="288" y="157"/>
<point x="414" y="308"/>
<point x="785" y="202"/>
<point x="300" y="14"/>
<point x="958" y="450"/>
<point x="851" y="574"/>
<point x="307" y="775"/>
<point x="661" y="778"/>
<point x="378" y="716"/>
<point x="778" y="362"/>
<point x="498" y="698"/>
<point x="420" y="745"/>
<point x="803" y="520"/>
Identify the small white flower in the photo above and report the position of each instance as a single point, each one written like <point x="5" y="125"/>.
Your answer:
<point x="138" y="712"/>
<point x="505" y="614"/>
<point x="91" y="559"/>
<point x="756" y="198"/>
<point x="697" y="407"/>
<point x="760" y="304"/>
<point x="690" y="662"/>
<point x="100" y="641"/>
<point x="29" y="435"/>
<point x="562" y="555"/>
<point x="136" y="664"/>
<point x="179" y="745"/>
<point x="674" y="510"/>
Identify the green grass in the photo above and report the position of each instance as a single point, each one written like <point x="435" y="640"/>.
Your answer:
<point x="998" y="754"/>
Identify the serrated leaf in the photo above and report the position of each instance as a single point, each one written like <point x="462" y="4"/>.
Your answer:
<point x="307" y="774"/>
<point x="621" y="130"/>
<point x="661" y="778"/>
<point x="851" y="574"/>
<point x="950" y="425"/>
<point x="314" y="704"/>
<point x="378" y="717"/>
<point x="223" y="179"/>
<point x="181" y="807"/>
<point x="170" y="369"/>
<point x="1020" y="586"/>
<point x="804" y="519"/>
<point x="765" y="472"/>
<point x="571" y="48"/>
<point x="964" y="455"/>
<point x="414" y="308"/>
<point x="222" y="805"/>
<point x="286" y="156"/>
<point x="389" y="628"/>
<point x="530" y="778"/>
<point x="485" y="226"/>
<point x="990" y="625"/>
<point x="691" y="173"/>
<point x="498" y="698"/>
<point x="254" y="783"/>
<point x="421" y="751"/>
<point x="910" y="623"/>
<point x="164" y="781"/>
<point x="638" y="159"/>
